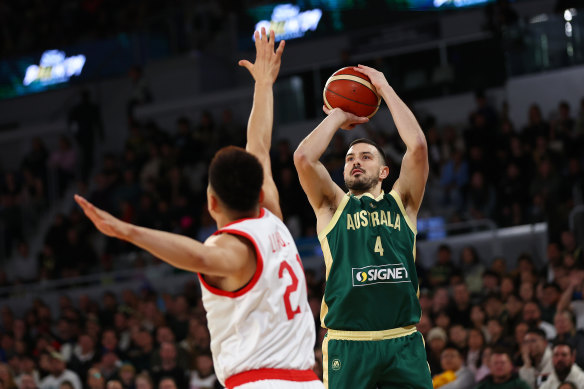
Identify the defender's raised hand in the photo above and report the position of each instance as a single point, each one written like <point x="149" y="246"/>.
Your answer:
<point x="267" y="62"/>
<point x="103" y="221"/>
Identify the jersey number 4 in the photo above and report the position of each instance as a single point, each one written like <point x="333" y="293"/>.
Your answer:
<point x="291" y="288"/>
<point x="378" y="246"/>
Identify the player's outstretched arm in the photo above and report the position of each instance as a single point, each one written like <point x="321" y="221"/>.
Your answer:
<point x="259" y="128"/>
<point x="414" y="170"/>
<point x="224" y="256"/>
<point x="323" y="194"/>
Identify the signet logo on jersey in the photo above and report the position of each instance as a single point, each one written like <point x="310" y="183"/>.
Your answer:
<point x="384" y="274"/>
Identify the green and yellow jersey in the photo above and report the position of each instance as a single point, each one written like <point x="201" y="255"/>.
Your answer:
<point x="371" y="280"/>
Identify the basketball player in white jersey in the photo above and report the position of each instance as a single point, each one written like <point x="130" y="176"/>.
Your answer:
<point x="253" y="285"/>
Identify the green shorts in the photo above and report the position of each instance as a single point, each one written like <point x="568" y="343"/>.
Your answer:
<point x="376" y="359"/>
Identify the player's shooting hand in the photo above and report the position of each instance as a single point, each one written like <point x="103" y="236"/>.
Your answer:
<point x="347" y="120"/>
<point x="267" y="63"/>
<point x="377" y="78"/>
<point x="105" y="223"/>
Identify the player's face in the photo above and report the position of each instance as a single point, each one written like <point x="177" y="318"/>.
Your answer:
<point x="363" y="167"/>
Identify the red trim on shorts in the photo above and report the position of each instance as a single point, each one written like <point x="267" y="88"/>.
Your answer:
<point x="270" y="374"/>
<point x="254" y="279"/>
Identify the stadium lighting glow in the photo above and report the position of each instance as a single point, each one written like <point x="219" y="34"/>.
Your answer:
<point x="458" y="3"/>
<point x="289" y="23"/>
<point x="54" y="68"/>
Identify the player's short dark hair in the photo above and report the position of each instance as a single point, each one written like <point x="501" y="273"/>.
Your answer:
<point x="372" y="143"/>
<point x="236" y="176"/>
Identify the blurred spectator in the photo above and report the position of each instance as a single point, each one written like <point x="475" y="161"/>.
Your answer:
<point x="460" y="309"/>
<point x="536" y="356"/>
<point x="143" y="381"/>
<point x="563" y="130"/>
<point x="458" y="336"/>
<point x="549" y="301"/>
<point x="86" y="125"/>
<point x="476" y="346"/>
<point x="168" y="383"/>
<point x="572" y="297"/>
<point x="114" y="384"/>
<point x="536" y="126"/>
<point x="440" y="273"/>
<point x="567" y="332"/>
<point x="481" y="198"/>
<point x="140" y="93"/>
<point x="64" y="162"/>
<point x="435" y="343"/>
<point x="565" y="369"/>
<point x="502" y="375"/>
<point x="59" y="373"/>
<point x="95" y="379"/>
<point x="127" y="376"/>
<point x="455" y="375"/>
<point x="230" y="132"/>
<point x="84" y="356"/>
<point x="168" y="366"/>
<point x="203" y="377"/>
<point x="454" y="180"/>
<point x="484" y="370"/>
<point x="23" y="267"/>
<point x="532" y="316"/>
<point x="472" y="268"/>
<point x="27" y="381"/>
<point x="6" y="376"/>
<point x="109" y="365"/>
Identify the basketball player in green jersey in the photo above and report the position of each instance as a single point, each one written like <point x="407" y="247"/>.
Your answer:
<point x="370" y="305"/>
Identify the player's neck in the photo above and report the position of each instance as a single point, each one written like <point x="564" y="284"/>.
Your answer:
<point x="374" y="191"/>
<point x="232" y="216"/>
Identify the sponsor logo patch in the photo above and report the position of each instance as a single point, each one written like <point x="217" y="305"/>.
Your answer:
<point x="385" y="274"/>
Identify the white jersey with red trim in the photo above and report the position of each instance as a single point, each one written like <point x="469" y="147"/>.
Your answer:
<point x="268" y="323"/>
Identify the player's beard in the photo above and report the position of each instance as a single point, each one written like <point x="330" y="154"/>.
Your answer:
<point x="361" y="184"/>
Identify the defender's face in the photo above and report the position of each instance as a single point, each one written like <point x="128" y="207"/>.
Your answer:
<point x="363" y="167"/>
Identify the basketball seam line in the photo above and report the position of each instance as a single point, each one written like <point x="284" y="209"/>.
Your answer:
<point x="354" y="101"/>
<point x="350" y="77"/>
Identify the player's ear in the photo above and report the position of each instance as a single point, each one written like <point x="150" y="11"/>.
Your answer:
<point x="262" y="196"/>
<point x="384" y="172"/>
<point x="212" y="201"/>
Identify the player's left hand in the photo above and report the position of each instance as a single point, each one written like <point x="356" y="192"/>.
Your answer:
<point x="348" y="120"/>
<point x="377" y="78"/>
<point x="267" y="62"/>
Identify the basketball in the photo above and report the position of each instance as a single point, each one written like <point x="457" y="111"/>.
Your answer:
<point x="352" y="92"/>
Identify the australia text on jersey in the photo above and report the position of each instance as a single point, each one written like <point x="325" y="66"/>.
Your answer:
<point x="384" y="274"/>
<point x="376" y="218"/>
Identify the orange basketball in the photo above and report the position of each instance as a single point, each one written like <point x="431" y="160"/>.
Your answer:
<point x="352" y="92"/>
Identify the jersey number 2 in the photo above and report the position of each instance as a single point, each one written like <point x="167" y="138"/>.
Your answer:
<point x="291" y="288"/>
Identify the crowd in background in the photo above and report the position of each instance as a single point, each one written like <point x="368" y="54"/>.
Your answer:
<point x="485" y="169"/>
<point x="475" y="310"/>
<point x="473" y="315"/>
<point x="31" y="26"/>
